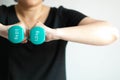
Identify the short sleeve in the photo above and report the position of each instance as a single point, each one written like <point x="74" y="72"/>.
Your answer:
<point x="71" y="17"/>
<point x="3" y="14"/>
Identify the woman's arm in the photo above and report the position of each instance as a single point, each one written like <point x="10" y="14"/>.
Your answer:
<point x="3" y="31"/>
<point x="89" y="31"/>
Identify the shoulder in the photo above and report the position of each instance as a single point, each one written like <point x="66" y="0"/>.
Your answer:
<point x="65" y="9"/>
<point x="4" y="12"/>
<point x="60" y="8"/>
<point x="68" y="11"/>
<point x="4" y="8"/>
<point x="71" y="16"/>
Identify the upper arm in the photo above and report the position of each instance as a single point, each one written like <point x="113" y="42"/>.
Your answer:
<point x="88" y="20"/>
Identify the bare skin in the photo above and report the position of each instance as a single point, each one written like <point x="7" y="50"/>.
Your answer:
<point x="88" y="31"/>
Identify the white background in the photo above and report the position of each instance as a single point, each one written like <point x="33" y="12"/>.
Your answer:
<point x="86" y="62"/>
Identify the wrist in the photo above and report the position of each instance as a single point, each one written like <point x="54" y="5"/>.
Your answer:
<point x="2" y="28"/>
<point x="58" y="34"/>
<point x="52" y="34"/>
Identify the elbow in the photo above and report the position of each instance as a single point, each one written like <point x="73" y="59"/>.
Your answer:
<point x="110" y="40"/>
<point x="110" y="37"/>
<point x="108" y="34"/>
<point x="106" y="40"/>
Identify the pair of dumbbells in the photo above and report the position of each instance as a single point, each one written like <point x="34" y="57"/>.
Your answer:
<point x="16" y="34"/>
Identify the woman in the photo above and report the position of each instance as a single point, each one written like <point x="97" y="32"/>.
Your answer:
<point x="27" y="61"/>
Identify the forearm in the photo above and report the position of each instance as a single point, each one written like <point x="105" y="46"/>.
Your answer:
<point x="3" y="30"/>
<point x="2" y="27"/>
<point x="99" y="33"/>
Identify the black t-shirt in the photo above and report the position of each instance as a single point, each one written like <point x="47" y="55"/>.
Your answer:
<point x="36" y="62"/>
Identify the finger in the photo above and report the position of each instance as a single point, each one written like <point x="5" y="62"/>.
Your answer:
<point x="25" y="41"/>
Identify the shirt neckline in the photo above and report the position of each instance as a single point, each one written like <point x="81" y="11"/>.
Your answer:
<point x="47" y="19"/>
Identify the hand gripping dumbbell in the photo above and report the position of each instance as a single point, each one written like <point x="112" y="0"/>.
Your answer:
<point x="37" y="35"/>
<point x="16" y="34"/>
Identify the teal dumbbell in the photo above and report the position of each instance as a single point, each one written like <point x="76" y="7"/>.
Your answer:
<point x="37" y="35"/>
<point x="16" y="34"/>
